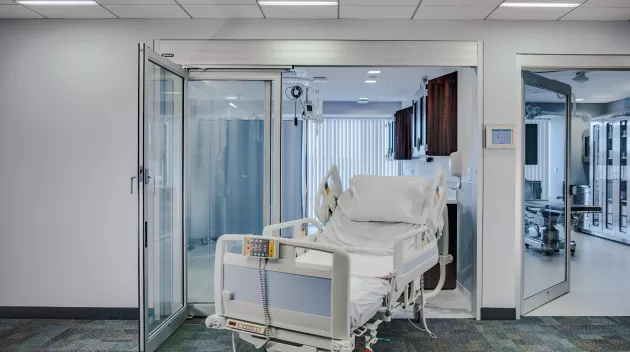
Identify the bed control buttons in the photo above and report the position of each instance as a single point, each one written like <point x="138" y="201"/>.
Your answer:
<point x="261" y="247"/>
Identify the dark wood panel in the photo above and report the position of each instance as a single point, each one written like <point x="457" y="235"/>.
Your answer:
<point x="432" y="276"/>
<point x="403" y="134"/>
<point x="442" y="115"/>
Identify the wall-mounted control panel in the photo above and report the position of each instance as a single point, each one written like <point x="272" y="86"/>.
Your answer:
<point x="261" y="247"/>
<point x="500" y="136"/>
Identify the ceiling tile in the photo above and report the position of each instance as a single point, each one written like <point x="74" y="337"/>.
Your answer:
<point x="453" y="12"/>
<point x="17" y="11"/>
<point x="599" y="14"/>
<point x="72" y="11"/>
<point x="277" y="11"/>
<point x="147" y="11"/>
<point x="224" y="11"/>
<point x="607" y="3"/>
<point x="460" y="2"/>
<point x="529" y="13"/>
<point x="377" y="12"/>
<point x="379" y="2"/>
<point x="218" y="2"/>
<point x="136" y="2"/>
<point x="548" y="1"/>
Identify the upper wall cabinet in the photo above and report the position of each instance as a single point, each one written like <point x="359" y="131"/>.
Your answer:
<point x="441" y="124"/>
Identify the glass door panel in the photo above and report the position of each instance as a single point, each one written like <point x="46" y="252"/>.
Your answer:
<point x="162" y="260"/>
<point x="231" y="158"/>
<point x="226" y="136"/>
<point x="547" y="234"/>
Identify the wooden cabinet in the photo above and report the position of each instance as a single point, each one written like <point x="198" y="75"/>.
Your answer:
<point x="442" y="115"/>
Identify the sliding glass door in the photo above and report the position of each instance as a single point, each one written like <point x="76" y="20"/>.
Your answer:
<point x="162" y="116"/>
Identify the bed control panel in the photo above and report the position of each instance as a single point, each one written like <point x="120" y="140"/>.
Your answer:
<point x="247" y="327"/>
<point x="261" y="247"/>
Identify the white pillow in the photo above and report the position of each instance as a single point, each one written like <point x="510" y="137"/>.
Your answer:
<point x="387" y="199"/>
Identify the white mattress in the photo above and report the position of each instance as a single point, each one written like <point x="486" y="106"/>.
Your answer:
<point x="366" y="298"/>
<point x="364" y="265"/>
<point x="366" y="292"/>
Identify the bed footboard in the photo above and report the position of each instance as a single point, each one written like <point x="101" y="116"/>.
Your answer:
<point x="311" y="299"/>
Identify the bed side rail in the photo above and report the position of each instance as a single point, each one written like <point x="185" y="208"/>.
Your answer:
<point x="299" y="228"/>
<point x="300" y="297"/>
<point x="409" y="266"/>
<point x="329" y="191"/>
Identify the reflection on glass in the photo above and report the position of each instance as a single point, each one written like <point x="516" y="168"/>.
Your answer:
<point x="163" y="193"/>
<point x="226" y="151"/>
<point x="545" y="256"/>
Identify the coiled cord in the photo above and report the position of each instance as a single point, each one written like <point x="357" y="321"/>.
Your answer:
<point x="262" y="274"/>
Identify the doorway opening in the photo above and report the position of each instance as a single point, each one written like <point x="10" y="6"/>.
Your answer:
<point x="593" y="256"/>
<point x="253" y="147"/>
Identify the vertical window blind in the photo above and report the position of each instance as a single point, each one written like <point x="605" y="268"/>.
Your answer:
<point x="356" y="146"/>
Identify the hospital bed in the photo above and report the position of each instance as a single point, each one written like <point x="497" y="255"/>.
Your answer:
<point x="547" y="220"/>
<point x="330" y="291"/>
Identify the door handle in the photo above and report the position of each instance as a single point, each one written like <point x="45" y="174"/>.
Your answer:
<point x="132" y="178"/>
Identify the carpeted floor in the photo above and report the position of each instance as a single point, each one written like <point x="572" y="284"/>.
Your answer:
<point x="529" y="334"/>
<point x="68" y="335"/>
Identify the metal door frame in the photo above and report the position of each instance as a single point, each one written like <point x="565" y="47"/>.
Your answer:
<point x="548" y="295"/>
<point x="151" y="341"/>
<point x="272" y="133"/>
<point x="524" y="61"/>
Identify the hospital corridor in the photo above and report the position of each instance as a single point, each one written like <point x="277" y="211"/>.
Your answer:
<point x="314" y="176"/>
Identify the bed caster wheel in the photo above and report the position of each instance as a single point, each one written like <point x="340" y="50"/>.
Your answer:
<point x="204" y="241"/>
<point x="526" y="246"/>
<point x="573" y="252"/>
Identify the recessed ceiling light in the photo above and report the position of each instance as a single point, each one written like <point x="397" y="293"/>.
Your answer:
<point x="579" y="99"/>
<point x="231" y="97"/>
<point x="297" y="3"/>
<point x="370" y="81"/>
<point x="374" y="72"/>
<point x="56" y="2"/>
<point x="234" y="106"/>
<point x="537" y="4"/>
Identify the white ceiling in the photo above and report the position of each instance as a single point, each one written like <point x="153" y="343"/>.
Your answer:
<point x="589" y="10"/>
<point x="393" y="84"/>
<point x="602" y="87"/>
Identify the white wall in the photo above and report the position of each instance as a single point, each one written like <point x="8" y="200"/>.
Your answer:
<point x="68" y="117"/>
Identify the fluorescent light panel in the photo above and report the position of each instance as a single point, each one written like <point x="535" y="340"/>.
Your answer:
<point x="297" y="3"/>
<point x="374" y="72"/>
<point x="370" y="81"/>
<point x="234" y="106"/>
<point x="537" y="4"/>
<point x="56" y="2"/>
<point x="579" y="99"/>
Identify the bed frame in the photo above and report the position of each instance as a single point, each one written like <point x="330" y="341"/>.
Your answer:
<point x="308" y="304"/>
